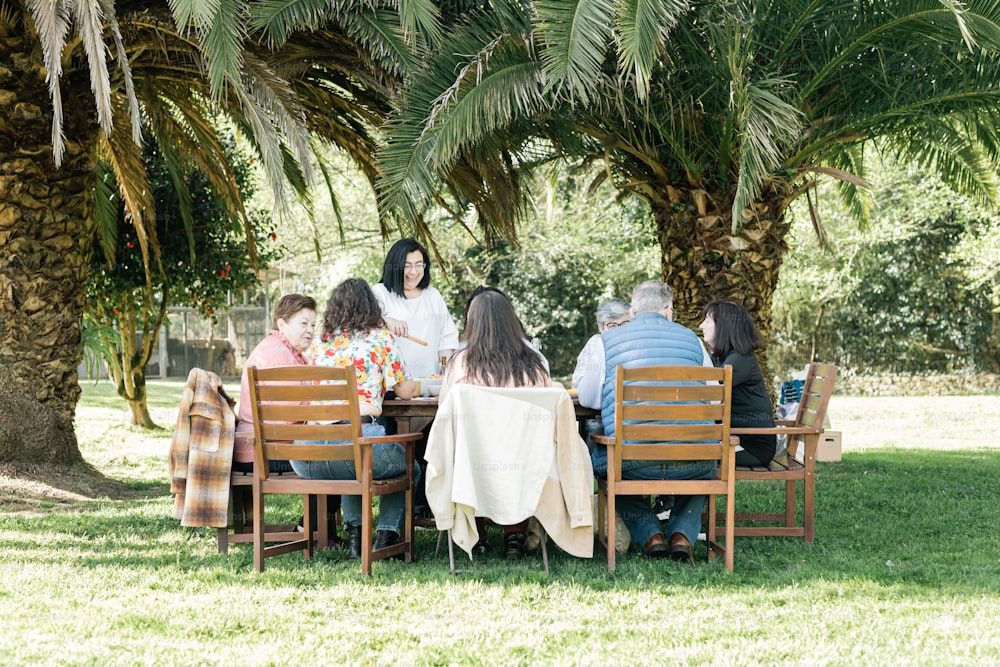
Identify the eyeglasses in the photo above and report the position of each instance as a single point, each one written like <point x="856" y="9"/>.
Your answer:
<point x="419" y="266"/>
<point x="614" y="325"/>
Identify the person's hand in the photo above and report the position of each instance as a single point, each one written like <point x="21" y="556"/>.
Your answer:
<point x="397" y="327"/>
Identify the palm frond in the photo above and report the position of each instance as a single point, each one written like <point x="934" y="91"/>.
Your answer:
<point x="100" y="342"/>
<point x="126" y="69"/>
<point x="767" y="124"/>
<point x="106" y="212"/>
<point x="643" y="26"/>
<point x="574" y="37"/>
<point x="52" y="21"/>
<point x="280" y="18"/>
<point x="125" y="159"/>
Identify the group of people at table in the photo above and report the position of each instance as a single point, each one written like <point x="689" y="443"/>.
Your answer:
<point x="400" y="329"/>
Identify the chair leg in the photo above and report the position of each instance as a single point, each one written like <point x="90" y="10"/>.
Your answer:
<point x="710" y="529"/>
<point x="612" y="540"/>
<point x="307" y="527"/>
<point x="545" y="552"/>
<point x="602" y="538"/>
<point x="730" y="529"/>
<point x="323" y="524"/>
<point x="366" y="533"/>
<point x="258" y="529"/>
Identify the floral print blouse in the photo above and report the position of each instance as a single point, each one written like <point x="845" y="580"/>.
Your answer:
<point x="373" y="354"/>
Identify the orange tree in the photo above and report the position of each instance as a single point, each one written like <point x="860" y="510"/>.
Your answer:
<point x="200" y="267"/>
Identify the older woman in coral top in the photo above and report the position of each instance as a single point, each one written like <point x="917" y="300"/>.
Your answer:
<point x="285" y="345"/>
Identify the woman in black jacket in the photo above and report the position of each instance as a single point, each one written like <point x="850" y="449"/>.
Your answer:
<point x="732" y="337"/>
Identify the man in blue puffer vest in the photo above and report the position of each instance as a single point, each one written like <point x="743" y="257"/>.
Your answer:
<point x="650" y="339"/>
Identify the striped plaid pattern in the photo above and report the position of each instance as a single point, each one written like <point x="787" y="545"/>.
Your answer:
<point x="201" y="452"/>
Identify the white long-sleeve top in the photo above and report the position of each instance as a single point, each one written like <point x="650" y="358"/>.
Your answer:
<point x="428" y="319"/>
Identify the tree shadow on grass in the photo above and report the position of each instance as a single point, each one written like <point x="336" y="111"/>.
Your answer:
<point x="33" y="490"/>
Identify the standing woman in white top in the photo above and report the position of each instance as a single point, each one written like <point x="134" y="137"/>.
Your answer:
<point x="414" y="309"/>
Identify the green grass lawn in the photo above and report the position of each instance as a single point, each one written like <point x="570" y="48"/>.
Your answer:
<point x="905" y="570"/>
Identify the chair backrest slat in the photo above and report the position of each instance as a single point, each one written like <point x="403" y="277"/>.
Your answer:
<point x="816" y="393"/>
<point x="670" y="393"/>
<point x="674" y="452"/>
<point x="681" y="412"/>
<point x="301" y="392"/>
<point x="284" y="397"/>
<point x="669" y="433"/>
<point x="287" y="451"/>
<point x="285" y="412"/>
<point x="318" y="432"/>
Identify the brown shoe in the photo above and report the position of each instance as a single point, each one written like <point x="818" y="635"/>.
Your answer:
<point x="680" y="548"/>
<point x="655" y="547"/>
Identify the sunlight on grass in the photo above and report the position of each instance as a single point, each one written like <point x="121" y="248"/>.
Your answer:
<point x="904" y="570"/>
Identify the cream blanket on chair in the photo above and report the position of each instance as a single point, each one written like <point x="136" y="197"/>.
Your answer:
<point x="508" y="454"/>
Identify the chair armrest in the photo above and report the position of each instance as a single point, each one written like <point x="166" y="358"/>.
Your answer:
<point x="785" y="422"/>
<point x="384" y="439"/>
<point x="605" y="440"/>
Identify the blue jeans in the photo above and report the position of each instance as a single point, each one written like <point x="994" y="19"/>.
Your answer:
<point x="685" y="516"/>
<point x="388" y="460"/>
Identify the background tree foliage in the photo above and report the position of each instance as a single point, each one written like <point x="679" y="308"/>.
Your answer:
<point x="905" y="295"/>
<point x="201" y="264"/>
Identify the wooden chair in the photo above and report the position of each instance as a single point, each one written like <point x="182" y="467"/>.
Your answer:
<point x="798" y="466"/>
<point x="670" y="413"/>
<point x="316" y="403"/>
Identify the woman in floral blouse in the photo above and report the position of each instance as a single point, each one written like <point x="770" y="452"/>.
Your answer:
<point x="354" y="334"/>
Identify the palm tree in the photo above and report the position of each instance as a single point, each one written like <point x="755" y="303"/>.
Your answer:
<point x="716" y="114"/>
<point x="65" y="112"/>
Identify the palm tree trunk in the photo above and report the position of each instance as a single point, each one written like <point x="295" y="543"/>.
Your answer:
<point x="46" y="243"/>
<point x="703" y="259"/>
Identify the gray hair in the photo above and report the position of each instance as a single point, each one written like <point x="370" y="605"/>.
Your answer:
<point x="611" y="309"/>
<point x="651" y="296"/>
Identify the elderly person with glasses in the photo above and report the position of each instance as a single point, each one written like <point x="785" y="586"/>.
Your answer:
<point x="611" y="314"/>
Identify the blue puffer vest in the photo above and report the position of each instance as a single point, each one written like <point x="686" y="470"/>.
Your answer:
<point x="648" y="340"/>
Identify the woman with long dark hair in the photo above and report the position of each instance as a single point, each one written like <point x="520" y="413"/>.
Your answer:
<point x="354" y="335"/>
<point x="733" y="338"/>
<point x="414" y="309"/>
<point x="496" y="355"/>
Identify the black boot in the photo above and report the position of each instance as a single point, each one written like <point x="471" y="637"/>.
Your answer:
<point x="385" y="538"/>
<point x="353" y="542"/>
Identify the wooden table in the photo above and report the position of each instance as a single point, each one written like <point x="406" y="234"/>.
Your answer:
<point x="404" y="411"/>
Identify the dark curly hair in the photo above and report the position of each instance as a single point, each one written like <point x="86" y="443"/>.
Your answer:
<point x="352" y="308"/>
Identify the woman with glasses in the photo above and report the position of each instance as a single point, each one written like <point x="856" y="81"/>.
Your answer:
<point x="414" y="310"/>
